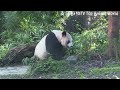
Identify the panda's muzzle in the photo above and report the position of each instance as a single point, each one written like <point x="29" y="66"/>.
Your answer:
<point x="70" y="45"/>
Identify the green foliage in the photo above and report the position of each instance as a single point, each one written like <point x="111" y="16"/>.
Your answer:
<point x="11" y="20"/>
<point x="89" y="42"/>
<point x="48" y="66"/>
<point x="24" y="25"/>
<point x="22" y="20"/>
<point x="4" y="49"/>
<point x="101" y="22"/>
<point x="27" y="61"/>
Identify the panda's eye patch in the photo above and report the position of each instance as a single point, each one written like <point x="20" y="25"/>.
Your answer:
<point x="68" y="42"/>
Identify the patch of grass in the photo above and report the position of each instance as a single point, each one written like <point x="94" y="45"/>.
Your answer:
<point x="53" y="69"/>
<point x="112" y="63"/>
<point x="14" y="77"/>
<point x="48" y="66"/>
<point x="29" y="61"/>
<point x="61" y="76"/>
<point x="104" y="71"/>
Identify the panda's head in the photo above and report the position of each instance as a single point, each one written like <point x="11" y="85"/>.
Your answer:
<point x="64" y="38"/>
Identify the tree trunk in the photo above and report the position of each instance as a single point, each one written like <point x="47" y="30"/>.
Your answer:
<point x="113" y="36"/>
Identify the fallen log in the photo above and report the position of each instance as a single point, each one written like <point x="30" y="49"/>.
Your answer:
<point x="15" y="55"/>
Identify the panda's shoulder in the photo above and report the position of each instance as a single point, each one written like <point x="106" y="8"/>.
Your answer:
<point x="56" y="31"/>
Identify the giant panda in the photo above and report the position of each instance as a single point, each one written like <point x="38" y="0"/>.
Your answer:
<point x="53" y="44"/>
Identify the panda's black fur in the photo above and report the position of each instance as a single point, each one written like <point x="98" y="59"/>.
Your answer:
<point x="54" y="47"/>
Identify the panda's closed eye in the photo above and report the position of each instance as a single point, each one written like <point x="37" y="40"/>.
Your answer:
<point x="68" y="42"/>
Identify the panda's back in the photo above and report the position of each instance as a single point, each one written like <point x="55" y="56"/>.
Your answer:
<point x="40" y="50"/>
<point x="53" y="46"/>
<point x="58" y="34"/>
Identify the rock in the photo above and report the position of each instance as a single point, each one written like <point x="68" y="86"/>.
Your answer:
<point x="73" y="59"/>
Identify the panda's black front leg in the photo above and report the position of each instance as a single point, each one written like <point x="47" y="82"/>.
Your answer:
<point x="58" y="54"/>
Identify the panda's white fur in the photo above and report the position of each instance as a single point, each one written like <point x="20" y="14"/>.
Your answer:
<point x="58" y="34"/>
<point x="40" y="50"/>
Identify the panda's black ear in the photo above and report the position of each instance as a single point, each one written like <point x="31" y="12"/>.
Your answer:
<point x="63" y="33"/>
